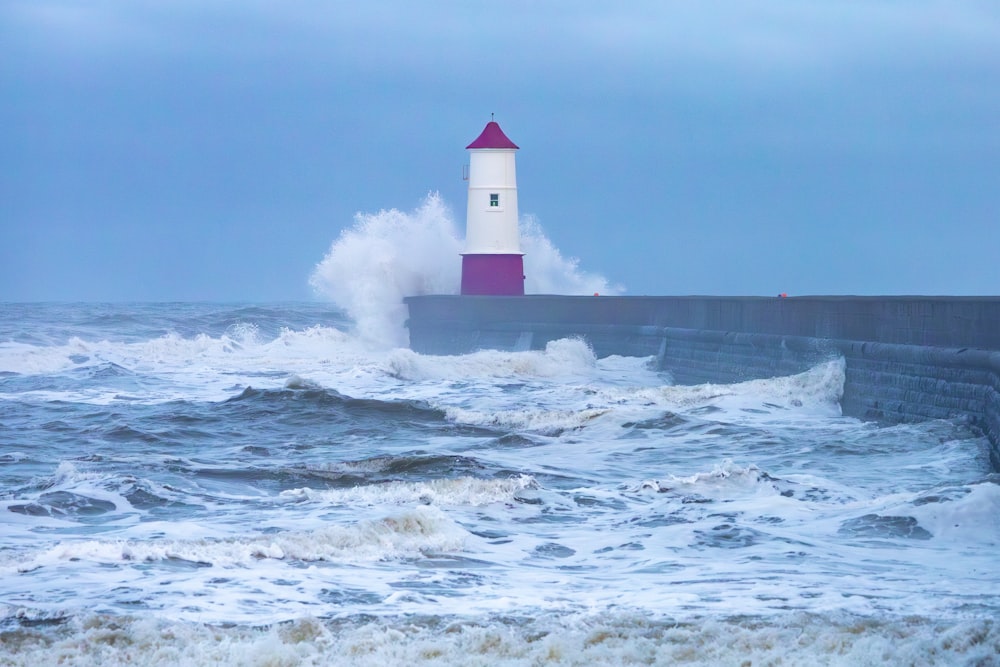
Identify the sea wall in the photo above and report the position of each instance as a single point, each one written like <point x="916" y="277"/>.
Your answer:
<point x="906" y="358"/>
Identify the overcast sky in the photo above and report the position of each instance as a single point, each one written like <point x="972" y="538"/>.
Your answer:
<point x="214" y="149"/>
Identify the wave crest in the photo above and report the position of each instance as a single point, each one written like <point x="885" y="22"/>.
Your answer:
<point x="560" y="357"/>
<point x="409" y="534"/>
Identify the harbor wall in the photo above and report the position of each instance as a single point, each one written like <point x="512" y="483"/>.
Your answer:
<point x="906" y="358"/>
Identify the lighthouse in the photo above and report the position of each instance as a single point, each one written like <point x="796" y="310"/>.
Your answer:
<point x="492" y="262"/>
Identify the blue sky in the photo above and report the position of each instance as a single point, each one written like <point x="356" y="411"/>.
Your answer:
<point x="213" y="150"/>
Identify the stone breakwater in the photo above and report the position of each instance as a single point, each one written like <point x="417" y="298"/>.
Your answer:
<point x="907" y="358"/>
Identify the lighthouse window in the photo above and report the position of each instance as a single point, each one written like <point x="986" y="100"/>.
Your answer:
<point x="494" y="200"/>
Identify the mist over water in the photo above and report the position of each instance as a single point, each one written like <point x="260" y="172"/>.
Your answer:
<point x="391" y="254"/>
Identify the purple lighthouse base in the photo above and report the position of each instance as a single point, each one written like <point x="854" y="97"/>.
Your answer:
<point x="497" y="275"/>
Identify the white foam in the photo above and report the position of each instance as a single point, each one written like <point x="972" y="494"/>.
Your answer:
<point x="723" y="479"/>
<point x="466" y="491"/>
<point x="817" y="390"/>
<point x="565" y="387"/>
<point x="538" y="420"/>
<point x="607" y="639"/>
<point x="27" y="359"/>
<point x="970" y="516"/>
<point x="407" y="534"/>
<point x="174" y="367"/>
<point x="67" y="473"/>
<point x="822" y="386"/>
<point x="560" y="358"/>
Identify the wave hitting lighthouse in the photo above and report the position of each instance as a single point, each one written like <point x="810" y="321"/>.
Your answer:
<point x="492" y="262"/>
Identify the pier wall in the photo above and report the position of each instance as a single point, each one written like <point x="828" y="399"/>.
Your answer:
<point x="906" y="358"/>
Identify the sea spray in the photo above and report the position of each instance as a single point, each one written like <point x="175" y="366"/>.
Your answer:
<point x="388" y="255"/>
<point x="548" y="272"/>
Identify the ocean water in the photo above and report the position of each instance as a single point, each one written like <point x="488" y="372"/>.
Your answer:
<point x="203" y="484"/>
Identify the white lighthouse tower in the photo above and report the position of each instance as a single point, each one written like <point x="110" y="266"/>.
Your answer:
<point x="492" y="262"/>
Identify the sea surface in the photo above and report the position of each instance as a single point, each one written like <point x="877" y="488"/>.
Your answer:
<point x="206" y="484"/>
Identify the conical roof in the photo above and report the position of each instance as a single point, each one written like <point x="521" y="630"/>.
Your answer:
<point x="492" y="137"/>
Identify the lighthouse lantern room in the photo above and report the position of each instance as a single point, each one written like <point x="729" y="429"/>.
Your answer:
<point x="492" y="262"/>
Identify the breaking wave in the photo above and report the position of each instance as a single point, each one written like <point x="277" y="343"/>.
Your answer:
<point x="409" y="534"/>
<point x="606" y="639"/>
<point x="391" y="254"/>
<point x="560" y="357"/>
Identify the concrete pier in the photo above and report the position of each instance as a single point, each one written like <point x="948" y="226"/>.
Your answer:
<point x="907" y="358"/>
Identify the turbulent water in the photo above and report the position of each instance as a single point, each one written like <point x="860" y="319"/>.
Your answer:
<point x="225" y="484"/>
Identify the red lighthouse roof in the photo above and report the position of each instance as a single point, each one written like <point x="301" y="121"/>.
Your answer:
<point x="492" y="137"/>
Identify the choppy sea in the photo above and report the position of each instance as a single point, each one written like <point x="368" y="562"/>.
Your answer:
<point x="205" y="484"/>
